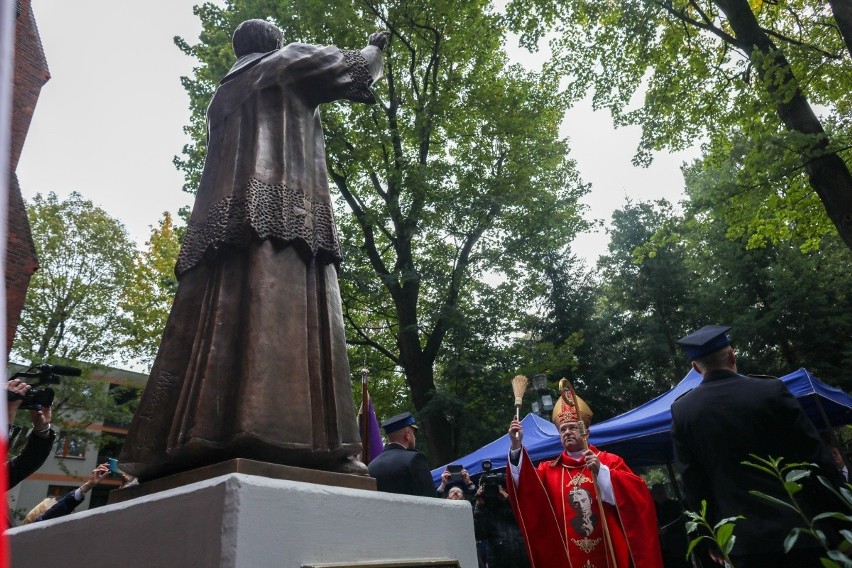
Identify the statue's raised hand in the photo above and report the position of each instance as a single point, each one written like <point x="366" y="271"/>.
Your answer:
<point x="379" y="39"/>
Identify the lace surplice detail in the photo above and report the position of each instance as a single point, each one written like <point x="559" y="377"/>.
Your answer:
<point x="267" y="212"/>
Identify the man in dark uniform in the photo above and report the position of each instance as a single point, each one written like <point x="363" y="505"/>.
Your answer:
<point x="717" y="425"/>
<point x="400" y="468"/>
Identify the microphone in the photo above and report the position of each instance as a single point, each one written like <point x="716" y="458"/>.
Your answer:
<point x="60" y="370"/>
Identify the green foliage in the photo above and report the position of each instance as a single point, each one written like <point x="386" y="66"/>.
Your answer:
<point x="73" y="312"/>
<point x="780" y="299"/>
<point x="628" y="314"/>
<point x="85" y="262"/>
<point x="669" y="272"/>
<point x="790" y="476"/>
<point x="690" y="71"/>
<point x="149" y="295"/>
<point x="721" y="534"/>
<point x="758" y="187"/>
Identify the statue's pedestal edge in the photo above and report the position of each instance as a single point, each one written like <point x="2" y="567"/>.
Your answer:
<point x="248" y="467"/>
<point x="238" y="520"/>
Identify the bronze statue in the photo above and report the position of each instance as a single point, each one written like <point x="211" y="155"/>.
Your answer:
<point x="253" y="361"/>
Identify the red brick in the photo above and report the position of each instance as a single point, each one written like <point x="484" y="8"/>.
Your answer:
<point x="31" y="73"/>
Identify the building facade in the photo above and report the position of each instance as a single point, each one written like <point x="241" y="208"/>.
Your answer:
<point x="72" y="459"/>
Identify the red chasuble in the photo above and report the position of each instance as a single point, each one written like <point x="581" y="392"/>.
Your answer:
<point x="558" y="512"/>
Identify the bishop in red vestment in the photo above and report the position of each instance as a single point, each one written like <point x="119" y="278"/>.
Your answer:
<point x="584" y="509"/>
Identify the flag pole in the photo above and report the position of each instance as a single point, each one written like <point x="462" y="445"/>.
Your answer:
<point x="365" y="421"/>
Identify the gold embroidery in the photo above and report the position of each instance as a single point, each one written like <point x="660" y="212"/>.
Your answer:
<point x="586" y="544"/>
<point x="580" y="479"/>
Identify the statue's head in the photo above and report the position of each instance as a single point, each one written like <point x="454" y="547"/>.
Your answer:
<point x="256" y="36"/>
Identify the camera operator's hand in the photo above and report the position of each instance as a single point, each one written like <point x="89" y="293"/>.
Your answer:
<point x="466" y="478"/>
<point x="514" y="427"/>
<point x="17" y="387"/>
<point x="41" y="421"/>
<point x="503" y="494"/>
<point x="480" y="496"/>
<point x="445" y="478"/>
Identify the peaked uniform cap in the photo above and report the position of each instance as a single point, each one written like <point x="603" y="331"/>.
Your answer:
<point x="704" y="341"/>
<point x="398" y="422"/>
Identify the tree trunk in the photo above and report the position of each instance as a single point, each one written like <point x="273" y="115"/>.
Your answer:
<point x="418" y="366"/>
<point x="842" y="10"/>
<point x="827" y="172"/>
<point x="435" y="427"/>
<point x="436" y="430"/>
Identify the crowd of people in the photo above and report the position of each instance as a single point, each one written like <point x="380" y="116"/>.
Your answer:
<point x="40" y="440"/>
<point x="586" y="507"/>
<point x="262" y="229"/>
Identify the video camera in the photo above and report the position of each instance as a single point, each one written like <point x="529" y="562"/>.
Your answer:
<point x="39" y="397"/>
<point x="491" y="480"/>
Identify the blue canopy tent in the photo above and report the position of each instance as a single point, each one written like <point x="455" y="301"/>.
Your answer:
<point x="642" y="436"/>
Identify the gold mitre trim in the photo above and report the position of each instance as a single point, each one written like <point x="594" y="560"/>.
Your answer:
<point x="564" y="409"/>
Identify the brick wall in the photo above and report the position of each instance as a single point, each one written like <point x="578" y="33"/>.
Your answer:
<point x="31" y="74"/>
<point x="21" y="260"/>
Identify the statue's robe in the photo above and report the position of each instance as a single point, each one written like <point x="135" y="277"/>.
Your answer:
<point x="557" y="536"/>
<point x="253" y="361"/>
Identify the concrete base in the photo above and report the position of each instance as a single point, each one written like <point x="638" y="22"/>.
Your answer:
<point x="239" y="520"/>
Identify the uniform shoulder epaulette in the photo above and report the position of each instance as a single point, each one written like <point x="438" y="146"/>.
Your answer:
<point x="682" y="395"/>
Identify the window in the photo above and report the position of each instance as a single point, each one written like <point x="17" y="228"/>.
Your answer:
<point x="71" y="447"/>
<point x="58" y="491"/>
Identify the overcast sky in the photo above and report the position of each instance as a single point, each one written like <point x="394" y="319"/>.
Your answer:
<point x="109" y="121"/>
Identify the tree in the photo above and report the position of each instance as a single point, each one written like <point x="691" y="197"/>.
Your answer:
<point x="149" y="294"/>
<point x="72" y="314"/>
<point x="714" y="70"/>
<point x="85" y="262"/>
<point x="455" y="185"/>
<point x="643" y="304"/>
<point x="790" y="307"/>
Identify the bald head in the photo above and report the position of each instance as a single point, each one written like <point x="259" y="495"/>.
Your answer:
<point x="723" y="359"/>
<point x="404" y="437"/>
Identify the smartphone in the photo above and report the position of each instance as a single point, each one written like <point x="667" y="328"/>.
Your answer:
<point x="112" y="465"/>
<point x="455" y="472"/>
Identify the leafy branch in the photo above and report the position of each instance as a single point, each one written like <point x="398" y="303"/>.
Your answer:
<point x="790" y="477"/>
<point x="721" y="534"/>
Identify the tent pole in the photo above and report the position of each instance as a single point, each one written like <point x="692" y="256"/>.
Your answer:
<point x="673" y="479"/>
<point x="823" y="414"/>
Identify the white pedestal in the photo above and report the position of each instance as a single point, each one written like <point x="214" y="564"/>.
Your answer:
<point x="239" y="520"/>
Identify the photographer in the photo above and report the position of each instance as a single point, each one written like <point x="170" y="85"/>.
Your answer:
<point x="41" y="438"/>
<point x="51" y="508"/>
<point x="498" y="540"/>
<point x="460" y="479"/>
